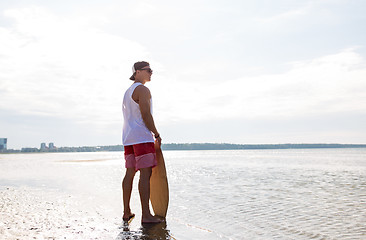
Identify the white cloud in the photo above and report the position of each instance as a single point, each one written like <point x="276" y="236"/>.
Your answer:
<point x="210" y="62"/>
<point x="290" y="16"/>
<point x="285" y="16"/>
<point x="329" y="84"/>
<point x="63" y="67"/>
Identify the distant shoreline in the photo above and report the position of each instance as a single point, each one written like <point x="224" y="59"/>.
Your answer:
<point x="226" y="146"/>
<point x="193" y="146"/>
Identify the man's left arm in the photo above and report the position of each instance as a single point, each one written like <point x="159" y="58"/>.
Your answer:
<point x="144" y="104"/>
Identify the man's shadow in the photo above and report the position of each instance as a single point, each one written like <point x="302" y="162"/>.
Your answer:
<point x="146" y="232"/>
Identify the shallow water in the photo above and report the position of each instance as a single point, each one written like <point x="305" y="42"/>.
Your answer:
<point x="239" y="194"/>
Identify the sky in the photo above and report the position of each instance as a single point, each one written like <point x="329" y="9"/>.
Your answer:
<point x="233" y="71"/>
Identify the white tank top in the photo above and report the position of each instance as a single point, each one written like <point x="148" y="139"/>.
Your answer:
<point x="134" y="128"/>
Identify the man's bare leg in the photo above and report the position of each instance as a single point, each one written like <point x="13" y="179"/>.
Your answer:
<point x="144" y="189"/>
<point x="127" y="189"/>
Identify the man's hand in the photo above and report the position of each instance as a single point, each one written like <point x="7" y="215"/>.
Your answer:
<point x="158" y="140"/>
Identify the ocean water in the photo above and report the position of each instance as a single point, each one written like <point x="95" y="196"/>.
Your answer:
<point x="226" y="194"/>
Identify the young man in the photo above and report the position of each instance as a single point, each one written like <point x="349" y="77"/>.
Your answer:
<point x="139" y="132"/>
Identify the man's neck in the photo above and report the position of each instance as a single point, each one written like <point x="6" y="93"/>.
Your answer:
<point x="140" y="81"/>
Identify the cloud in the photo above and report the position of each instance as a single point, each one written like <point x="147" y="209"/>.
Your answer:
<point x="73" y="66"/>
<point x="329" y="84"/>
<point x="298" y="17"/>
<point x="64" y="67"/>
<point x="285" y="16"/>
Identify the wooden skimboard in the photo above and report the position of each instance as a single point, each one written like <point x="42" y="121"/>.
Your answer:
<point x="159" y="191"/>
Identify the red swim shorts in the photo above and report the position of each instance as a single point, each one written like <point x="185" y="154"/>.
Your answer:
<point x="140" y="155"/>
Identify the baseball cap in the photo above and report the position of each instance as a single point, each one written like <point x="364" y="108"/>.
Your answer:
<point x="138" y="66"/>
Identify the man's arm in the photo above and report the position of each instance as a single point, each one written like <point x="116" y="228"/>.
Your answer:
<point x="143" y="97"/>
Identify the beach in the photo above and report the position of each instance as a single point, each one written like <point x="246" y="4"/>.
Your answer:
<point x="38" y="214"/>
<point x="28" y="213"/>
<point x="232" y="194"/>
<point x="73" y="196"/>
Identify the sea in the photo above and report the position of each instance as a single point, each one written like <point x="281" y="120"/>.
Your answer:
<point x="216" y="194"/>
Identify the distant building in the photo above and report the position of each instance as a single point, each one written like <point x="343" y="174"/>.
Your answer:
<point x="43" y="146"/>
<point x="3" y="143"/>
<point x="51" y="146"/>
<point x="27" y="150"/>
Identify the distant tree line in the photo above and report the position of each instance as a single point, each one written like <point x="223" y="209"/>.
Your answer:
<point x="227" y="146"/>
<point x="191" y="146"/>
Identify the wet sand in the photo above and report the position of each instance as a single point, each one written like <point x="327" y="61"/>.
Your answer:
<point x="28" y="213"/>
<point x="86" y="161"/>
<point x="74" y="196"/>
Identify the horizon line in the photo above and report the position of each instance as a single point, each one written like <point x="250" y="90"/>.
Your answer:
<point x="211" y="143"/>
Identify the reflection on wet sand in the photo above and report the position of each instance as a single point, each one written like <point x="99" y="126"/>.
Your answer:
<point x="77" y="161"/>
<point x="146" y="232"/>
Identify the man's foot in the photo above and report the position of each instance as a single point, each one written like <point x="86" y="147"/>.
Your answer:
<point x="151" y="219"/>
<point x="128" y="217"/>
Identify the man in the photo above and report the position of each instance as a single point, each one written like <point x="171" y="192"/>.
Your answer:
<point x="138" y="141"/>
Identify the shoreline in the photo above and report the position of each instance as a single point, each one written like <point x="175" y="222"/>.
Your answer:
<point x="193" y="146"/>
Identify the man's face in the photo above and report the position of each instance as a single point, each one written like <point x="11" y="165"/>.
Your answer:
<point x="145" y="73"/>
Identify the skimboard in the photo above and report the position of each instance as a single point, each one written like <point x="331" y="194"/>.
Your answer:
<point x="159" y="191"/>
